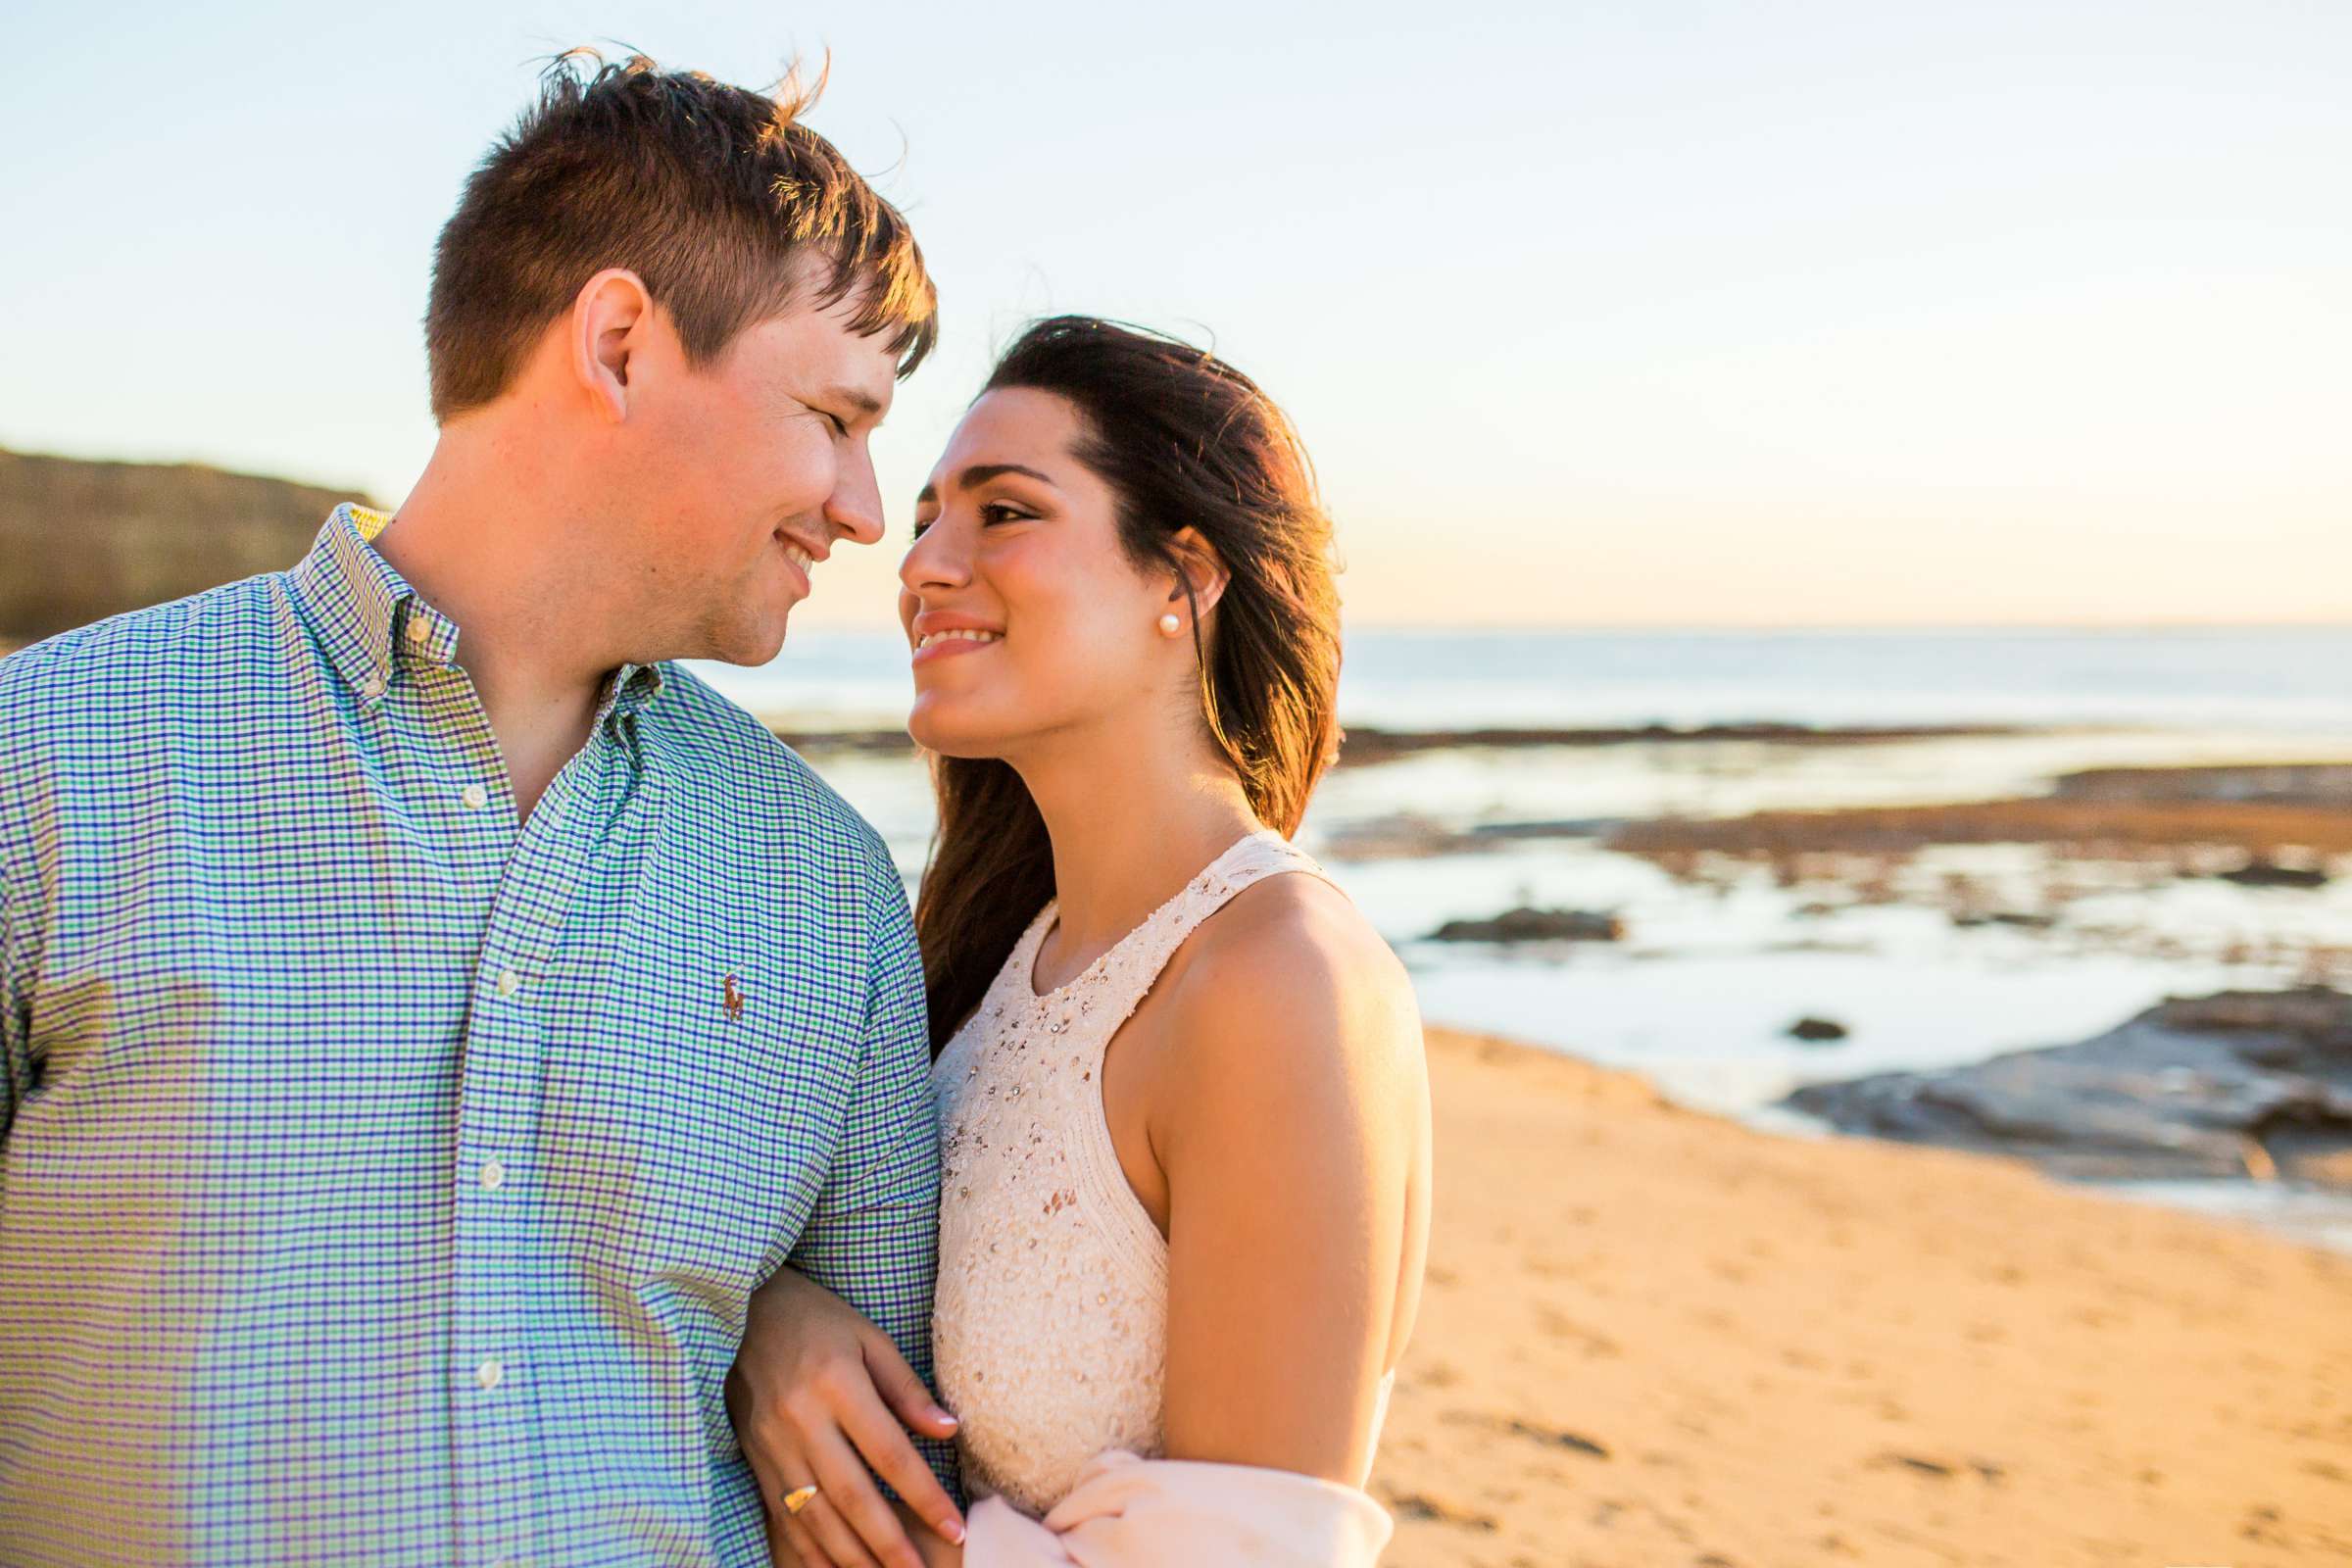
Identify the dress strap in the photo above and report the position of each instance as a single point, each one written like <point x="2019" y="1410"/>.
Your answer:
<point x="1251" y="859"/>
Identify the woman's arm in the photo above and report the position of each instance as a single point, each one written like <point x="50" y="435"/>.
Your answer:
<point x="815" y="1387"/>
<point x="1287" y="1105"/>
<point x="1290" y="1116"/>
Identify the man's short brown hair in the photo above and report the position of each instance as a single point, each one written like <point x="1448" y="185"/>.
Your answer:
<point x="715" y="196"/>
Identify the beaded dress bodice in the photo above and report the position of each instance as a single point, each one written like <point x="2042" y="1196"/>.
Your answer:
<point x="1049" y="1332"/>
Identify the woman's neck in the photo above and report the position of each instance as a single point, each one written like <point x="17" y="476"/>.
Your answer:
<point x="1132" y="817"/>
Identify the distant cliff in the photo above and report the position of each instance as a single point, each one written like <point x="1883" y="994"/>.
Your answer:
<point x="79" y="540"/>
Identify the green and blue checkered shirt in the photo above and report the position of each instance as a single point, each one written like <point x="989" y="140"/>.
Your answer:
<point x="382" y="1179"/>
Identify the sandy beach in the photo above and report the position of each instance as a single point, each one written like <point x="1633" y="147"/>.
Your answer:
<point x="1657" y="1337"/>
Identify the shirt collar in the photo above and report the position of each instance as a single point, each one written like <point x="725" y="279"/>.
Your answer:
<point x="372" y="620"/>
<point x="632" y="689"/>
<point x="354" y="600"/>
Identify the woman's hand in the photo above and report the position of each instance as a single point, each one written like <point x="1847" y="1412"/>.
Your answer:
<point x="937" y="1553"/>
<point x="814" y="1386"/>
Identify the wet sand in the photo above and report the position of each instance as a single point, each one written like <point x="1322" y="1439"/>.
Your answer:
<point x="1654" y="1337"/>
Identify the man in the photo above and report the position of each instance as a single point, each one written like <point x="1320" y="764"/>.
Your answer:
<point x="427" y="1014"/>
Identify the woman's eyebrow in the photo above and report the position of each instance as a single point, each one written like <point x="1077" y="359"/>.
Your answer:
<point x="979" y="474"/>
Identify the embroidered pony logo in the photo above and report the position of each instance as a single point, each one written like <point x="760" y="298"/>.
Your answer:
<point x="732" y="1000"/>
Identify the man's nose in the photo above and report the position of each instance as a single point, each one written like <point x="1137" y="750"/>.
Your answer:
<point x="854" y="507"/>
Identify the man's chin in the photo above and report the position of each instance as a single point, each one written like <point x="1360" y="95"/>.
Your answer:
<point x="754" y="652"/>
<point x="749" y="643"/>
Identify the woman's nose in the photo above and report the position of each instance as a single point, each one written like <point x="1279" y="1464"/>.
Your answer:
<point x="936" y="559"/>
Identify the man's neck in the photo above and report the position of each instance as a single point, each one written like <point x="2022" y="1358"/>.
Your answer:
<point x="477" y="539"/>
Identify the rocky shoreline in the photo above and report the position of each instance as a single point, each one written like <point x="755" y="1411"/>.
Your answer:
<point x="2244" y="1084"/>
<point x="1365" y="745"/>
<point x="2091" y="829"/>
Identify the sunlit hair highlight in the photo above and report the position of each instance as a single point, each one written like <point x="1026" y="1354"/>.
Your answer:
<point x="718" y="197"/>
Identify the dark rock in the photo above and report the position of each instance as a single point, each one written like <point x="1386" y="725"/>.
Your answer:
<point x="1397" y="836"/>
<point x="2278" y="783"/>
<point x="2240" y="1083"/>
<point x="1535" y="925"/>
<point x="1411" y="835"/>
<point x="1569" y="827"/>
<point x="1365" y="744"/>
<point x="2016" y="917"/>
<point x="2261" y="873"/>
<point x="859" y="742"/>
<point x="1811" y="1029"/>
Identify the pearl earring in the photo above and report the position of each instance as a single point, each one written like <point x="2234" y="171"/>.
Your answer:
<point x="1169" y="625"/>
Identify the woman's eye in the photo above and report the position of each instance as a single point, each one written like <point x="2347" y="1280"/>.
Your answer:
<point x="990" y="511"/>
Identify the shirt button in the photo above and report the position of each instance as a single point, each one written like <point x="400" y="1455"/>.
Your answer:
<point x="475" y="796"/>
<point x="488" y="1374"/>
<point x="509" y="982"/>
<point x="494" y="1175"/>
<point x="373" y="686"/>
<point x="418" y="629"/>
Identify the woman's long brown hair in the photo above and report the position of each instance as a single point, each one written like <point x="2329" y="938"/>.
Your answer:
<point x="1183" y="440"/>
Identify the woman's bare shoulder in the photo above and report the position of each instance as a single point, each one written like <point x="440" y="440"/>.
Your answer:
<point x="1290" y="958"/>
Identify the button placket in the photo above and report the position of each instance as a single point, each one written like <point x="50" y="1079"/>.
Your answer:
<point x="494" y="1409"/>
<point x="544" y="860"/>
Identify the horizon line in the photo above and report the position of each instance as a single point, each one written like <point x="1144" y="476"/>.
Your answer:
<point x="1754" y="628"/>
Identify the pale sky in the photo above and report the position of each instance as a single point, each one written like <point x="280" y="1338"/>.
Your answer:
<point x="1654" y="314"/>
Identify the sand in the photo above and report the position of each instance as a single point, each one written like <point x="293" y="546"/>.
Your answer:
<point x="1655" y="1336"/>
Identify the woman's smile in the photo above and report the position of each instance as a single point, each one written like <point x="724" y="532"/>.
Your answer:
<point x="948" y="644"/>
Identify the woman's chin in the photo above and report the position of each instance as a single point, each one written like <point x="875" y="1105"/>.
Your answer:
<point x="939" y="732"/>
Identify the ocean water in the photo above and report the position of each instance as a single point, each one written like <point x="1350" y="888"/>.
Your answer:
<point x="2295" y="680"/>
<point x="1700" y="993"/>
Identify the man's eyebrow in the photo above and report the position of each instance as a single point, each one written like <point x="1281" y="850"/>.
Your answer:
<point x="978" y="475"/>
<point x="857" y="398"/>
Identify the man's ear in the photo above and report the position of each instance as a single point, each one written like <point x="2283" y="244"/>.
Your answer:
<point x="1198" y="565"/>
<point x="607" y="326"/>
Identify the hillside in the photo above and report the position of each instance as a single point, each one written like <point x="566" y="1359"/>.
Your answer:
<point x="81" y="540"/>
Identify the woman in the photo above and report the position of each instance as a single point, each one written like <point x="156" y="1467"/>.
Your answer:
<point x="1184" y="1110"/>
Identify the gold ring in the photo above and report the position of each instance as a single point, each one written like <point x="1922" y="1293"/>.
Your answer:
<point x="798" y="1498"/>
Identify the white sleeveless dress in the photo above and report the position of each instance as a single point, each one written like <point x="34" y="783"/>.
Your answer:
<point x="1049" y="1332"/>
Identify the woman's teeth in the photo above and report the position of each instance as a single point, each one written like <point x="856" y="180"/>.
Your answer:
<point x="961" y="635"/>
